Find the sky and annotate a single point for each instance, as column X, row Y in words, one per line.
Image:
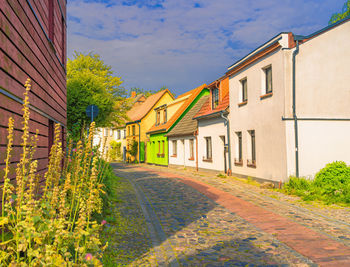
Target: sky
column 182, row 44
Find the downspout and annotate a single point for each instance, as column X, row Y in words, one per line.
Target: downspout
column 196, row 135
column 138, row 123
column 227, row 123
column 295, row 52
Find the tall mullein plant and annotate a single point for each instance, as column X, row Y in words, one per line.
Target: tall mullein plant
column 56, row 227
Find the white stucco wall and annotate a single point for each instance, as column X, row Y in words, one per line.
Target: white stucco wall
column 262, row 115
column 323, row 76
column 183, row 151
column 213, row 128
column 322, row 142
column 322, row 91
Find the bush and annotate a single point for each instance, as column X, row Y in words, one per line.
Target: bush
column 331, row 184
column 133, row 150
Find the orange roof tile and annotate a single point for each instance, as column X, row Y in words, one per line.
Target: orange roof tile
column 165, row 127
column 140, row 111
column 223, row 84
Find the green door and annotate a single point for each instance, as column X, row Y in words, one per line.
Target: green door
column 142, row 152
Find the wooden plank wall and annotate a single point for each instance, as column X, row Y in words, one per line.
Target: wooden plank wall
column 26, row 51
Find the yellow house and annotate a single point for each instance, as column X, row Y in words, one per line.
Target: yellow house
column 142, row 118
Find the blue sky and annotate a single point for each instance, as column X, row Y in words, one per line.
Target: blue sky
column 182, row 44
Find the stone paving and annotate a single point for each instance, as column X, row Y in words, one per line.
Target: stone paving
column 189, row 229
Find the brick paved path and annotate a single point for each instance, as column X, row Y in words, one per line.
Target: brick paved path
column 192, row 223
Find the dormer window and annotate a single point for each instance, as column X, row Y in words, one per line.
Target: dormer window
column 165, row 116
column 161, row 115
column 158, row 117
column 215, row 97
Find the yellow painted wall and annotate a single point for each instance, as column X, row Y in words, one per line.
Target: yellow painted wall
column 175, row 105
column 147, row 122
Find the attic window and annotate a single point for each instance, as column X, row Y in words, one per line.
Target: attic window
column 158, row 117
column 215, row 97
column 165, row 116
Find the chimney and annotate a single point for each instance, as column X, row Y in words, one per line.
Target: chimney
column 133, row 94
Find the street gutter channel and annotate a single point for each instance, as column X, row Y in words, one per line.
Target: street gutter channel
column 155, row 230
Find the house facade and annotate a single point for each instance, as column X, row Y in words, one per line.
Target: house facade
column 33, row 45
column 141, row 120
column 158, row 147
column 213, row 126
column 106, row 135
column 182, row 138
column 289, row 111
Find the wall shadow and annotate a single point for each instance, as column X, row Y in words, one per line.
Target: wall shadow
column 178, row 205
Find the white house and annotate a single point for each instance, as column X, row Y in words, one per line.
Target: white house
column 289, row 105
column 105, row 135
column 182, row 139
column 213, row 127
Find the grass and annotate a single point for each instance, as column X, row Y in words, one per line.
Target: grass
column 330, row 186
column 125, row 231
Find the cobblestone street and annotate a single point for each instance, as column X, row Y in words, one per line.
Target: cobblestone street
column 199, row 219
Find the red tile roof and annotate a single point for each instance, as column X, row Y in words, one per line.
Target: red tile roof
column 207, row 110
column 140, row 111
column 165, row 127
column 224, row 100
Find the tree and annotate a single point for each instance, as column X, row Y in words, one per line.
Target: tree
column 91, row 81
column 342, row 15
column 147, row 93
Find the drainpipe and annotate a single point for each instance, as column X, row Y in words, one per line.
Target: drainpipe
column 227, row 123
column 295, row 52
column 196, row 135
column 138, row 123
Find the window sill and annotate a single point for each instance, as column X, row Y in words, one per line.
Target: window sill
column 251, row 163
column 242, row 104
column 174, row 156
column 266, row 96
column 208, row 160
column 238, row 163
column 191, row 159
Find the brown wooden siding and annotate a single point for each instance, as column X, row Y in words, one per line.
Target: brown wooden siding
column 27, row 52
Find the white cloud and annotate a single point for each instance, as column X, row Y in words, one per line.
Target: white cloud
column 181, row 46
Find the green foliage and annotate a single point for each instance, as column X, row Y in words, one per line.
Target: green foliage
column 342, row 15
column 115, row 151
column 91, row 81
column 147, row 93
column 133, row 148
column 331, row 185
column 55, row 227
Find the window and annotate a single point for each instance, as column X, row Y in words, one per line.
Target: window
column 163, row 150
column 174, row 148
column 106, row 132
column 252, row 161
column 244, row 86
column 191, row 149
column 133, row 130
column 118, row 134
column 165, row 116
column 63, row 40
column 51, row 135
column 238, row 159
column 268, row 80
column 158, row 117
column 208, row 148
column 158, row 149
column 215, row 97
column 124, row 133
column 51, row 20
column 111, row 133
